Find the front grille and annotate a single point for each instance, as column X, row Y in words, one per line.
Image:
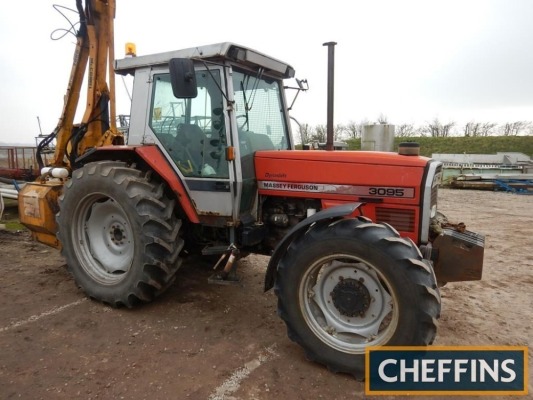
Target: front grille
column 400, row 218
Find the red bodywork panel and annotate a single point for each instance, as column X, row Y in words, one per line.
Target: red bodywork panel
column 389, row 184
column 153, row 156
column 155, row 159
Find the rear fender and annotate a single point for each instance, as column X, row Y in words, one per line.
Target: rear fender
column 325, row 216
column 152, row 156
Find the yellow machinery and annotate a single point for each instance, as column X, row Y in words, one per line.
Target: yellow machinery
column 94, row 53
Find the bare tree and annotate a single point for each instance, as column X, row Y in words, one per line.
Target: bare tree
column 470, row 129
column 515, row 128
column 447, row 129
column 306, row 132
column 339, row 132
column 320, row 133
column 487, row 128
column 382, row 119
column 354, row 130
column 437, row 129
column 474, row 129
column 405, row 130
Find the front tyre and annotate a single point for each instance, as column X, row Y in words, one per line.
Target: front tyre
column 119, row 233
column 350, row 284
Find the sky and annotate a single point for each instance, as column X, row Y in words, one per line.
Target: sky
column 411, row 61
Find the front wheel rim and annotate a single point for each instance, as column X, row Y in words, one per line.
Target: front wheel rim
column 348, row 303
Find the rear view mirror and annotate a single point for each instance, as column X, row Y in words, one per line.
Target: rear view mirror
column 183, row 78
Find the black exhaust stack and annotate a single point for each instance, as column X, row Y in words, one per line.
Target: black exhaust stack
column 331, row 75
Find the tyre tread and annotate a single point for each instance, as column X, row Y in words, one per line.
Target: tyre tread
column 159, row 225
column 382, row 238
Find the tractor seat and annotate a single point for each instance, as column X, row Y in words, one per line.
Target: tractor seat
column 191, row 139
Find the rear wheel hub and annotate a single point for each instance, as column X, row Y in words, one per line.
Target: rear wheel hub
column 351, row 297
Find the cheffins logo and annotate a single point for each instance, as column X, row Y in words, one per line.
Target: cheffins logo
column 447, row 370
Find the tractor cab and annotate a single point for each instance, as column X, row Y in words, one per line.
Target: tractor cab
column 210, row 109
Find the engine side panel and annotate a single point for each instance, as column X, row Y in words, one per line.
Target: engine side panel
column 390, row 185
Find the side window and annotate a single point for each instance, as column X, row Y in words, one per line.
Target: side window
column 191, row 130
column 167, row 111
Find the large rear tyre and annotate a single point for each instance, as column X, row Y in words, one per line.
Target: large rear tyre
column 119, row 233
column 350, row 284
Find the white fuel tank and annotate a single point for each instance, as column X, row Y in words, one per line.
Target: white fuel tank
column 377, row 137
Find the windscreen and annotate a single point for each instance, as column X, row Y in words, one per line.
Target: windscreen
column 259, row 112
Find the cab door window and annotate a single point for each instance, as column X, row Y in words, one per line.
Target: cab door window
column 192, row 131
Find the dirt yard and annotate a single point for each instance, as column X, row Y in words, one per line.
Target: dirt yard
column 203, row 341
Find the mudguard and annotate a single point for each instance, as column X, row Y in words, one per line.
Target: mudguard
column 152, row 156
column 326, row 215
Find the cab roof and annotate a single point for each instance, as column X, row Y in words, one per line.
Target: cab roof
column 214, row 52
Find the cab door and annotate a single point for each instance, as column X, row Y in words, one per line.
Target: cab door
column 192, row 133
